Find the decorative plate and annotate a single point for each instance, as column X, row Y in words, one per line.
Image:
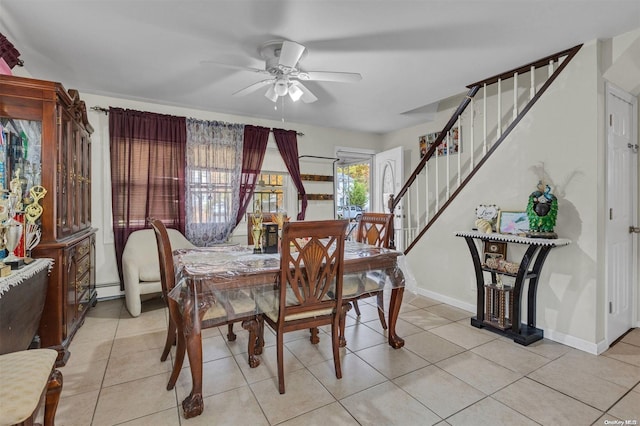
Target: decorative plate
column 487, row 212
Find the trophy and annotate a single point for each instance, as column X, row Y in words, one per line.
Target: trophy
column 12, row 231
column 256, row 230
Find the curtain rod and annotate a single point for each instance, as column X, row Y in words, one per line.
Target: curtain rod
column 106, row 112
column 318, row 157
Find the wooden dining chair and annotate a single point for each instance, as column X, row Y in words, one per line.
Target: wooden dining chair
column 374, row 229
column 224, row 310
column 309, row 292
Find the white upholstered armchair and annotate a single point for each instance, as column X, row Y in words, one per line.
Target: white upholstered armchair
column 140, row 268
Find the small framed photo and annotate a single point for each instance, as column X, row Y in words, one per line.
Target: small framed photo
column 513, row 223
column 453, row 139
column 495, row 249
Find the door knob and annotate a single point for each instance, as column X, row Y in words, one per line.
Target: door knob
column 634, row 230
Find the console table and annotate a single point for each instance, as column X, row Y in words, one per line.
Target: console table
column 510, row 297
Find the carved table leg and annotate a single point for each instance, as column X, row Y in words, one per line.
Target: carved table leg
column 395, row 341
column 253, row 328
column 193, row 404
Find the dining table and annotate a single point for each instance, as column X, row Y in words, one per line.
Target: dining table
column 226, row 274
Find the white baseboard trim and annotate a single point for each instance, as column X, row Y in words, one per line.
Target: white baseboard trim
column 574, row 342
column 556, row 336
column 109, row 291
column 446, row 299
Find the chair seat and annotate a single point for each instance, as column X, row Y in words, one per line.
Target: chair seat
column 268, row 303
column 24, row 376
column 240, row 303
column 356, row 284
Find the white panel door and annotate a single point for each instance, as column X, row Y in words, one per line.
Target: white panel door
column 389, row 172
column 622, row 198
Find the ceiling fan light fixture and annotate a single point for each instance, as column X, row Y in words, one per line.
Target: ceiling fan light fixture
column 295, row 93
column 281, row 87
column 271, row 94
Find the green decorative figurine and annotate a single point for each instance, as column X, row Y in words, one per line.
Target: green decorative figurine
column 542, row 211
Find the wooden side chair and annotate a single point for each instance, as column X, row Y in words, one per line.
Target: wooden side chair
column 309, row 292
column 374, row 229
column 27, row 377
column 226, row 310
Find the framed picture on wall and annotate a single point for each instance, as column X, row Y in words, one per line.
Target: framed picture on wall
column 425, row 142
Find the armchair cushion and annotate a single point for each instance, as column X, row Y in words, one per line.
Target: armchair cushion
column 140, row 267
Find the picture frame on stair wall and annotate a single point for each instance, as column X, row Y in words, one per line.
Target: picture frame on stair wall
column 425, row 142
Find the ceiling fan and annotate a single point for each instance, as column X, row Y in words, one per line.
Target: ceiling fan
column 282, row 59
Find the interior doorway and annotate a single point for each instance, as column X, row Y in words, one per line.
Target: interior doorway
column 353, row 185
column 622, row 216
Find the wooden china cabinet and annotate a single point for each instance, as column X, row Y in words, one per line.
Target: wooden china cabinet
column 65, row 172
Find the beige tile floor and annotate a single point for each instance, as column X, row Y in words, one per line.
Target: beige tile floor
column 448, row 373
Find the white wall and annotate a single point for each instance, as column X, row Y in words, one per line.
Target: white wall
column 319, row 141
column 562, row 135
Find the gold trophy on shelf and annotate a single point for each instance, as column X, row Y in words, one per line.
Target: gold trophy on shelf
column 256, row 230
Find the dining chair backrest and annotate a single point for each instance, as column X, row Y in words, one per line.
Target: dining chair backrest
column 311, row 266
column 165, row 257
column 375, row 229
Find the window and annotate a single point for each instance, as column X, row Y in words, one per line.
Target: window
column 210, row 195
column 270, row 192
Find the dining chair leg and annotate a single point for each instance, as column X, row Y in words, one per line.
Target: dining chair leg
column 356, row 307
column 171, row 340
column 181, row 349
column 335, row 326
column 314, row 335
column 346, row 307
column 381, row 310
column 52, row 397
column 280, row 350
column 231, row 336
column 260, row 337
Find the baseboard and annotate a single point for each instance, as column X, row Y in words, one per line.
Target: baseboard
column 109, row 291
column 574, row 342
column 446, row 299
column 556, row 336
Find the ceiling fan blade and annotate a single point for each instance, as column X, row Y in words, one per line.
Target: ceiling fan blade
column 340, row 77
column 290, row 54
column 253, row 87
column 235, row 67
column 307, row 97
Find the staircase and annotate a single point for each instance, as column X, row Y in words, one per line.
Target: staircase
column 491, row 109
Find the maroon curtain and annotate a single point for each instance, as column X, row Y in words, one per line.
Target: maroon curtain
column 254, row 147
column 147, row 172
column 287, row 142
column 9, row 53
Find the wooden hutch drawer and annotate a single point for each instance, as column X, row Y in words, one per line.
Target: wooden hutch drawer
column 84, row 265
column 83, row 248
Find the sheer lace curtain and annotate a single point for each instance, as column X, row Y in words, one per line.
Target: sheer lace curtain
column 214, row 168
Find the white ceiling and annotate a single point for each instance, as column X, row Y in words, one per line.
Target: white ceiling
column 410, row 53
